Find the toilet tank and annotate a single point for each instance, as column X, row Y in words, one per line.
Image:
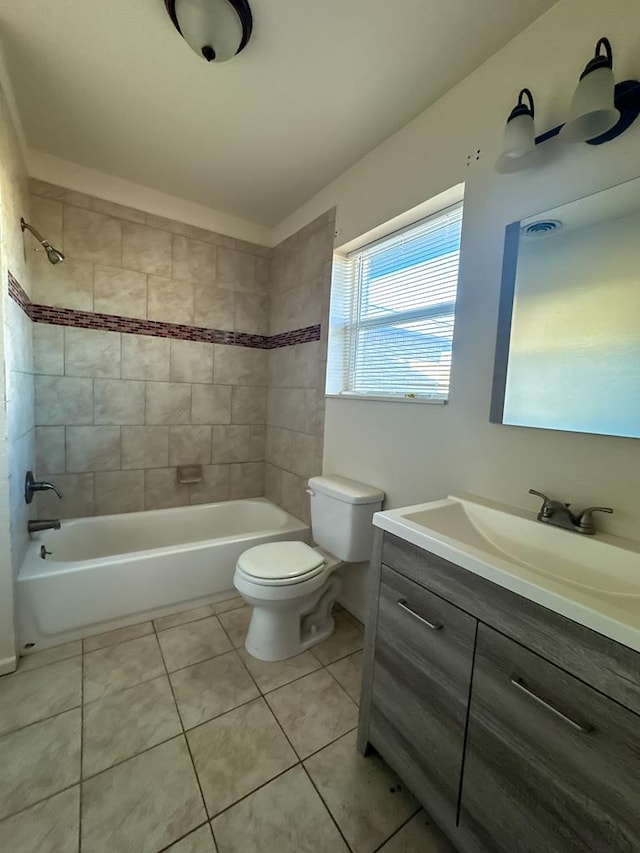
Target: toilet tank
column 341, row 513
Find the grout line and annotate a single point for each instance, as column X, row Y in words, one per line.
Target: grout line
column 38, row 802
column 37, row 722
column 328, row 810
column 401, row 827
column 182, row 837
column 81, row 748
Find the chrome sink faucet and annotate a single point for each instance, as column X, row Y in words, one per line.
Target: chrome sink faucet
column 559, row 515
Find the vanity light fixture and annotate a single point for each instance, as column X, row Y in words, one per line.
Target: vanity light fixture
column 601, row 110
column 217, row 30
column 592, row 110
column 519, row 144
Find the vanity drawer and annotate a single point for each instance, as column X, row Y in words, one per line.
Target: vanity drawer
column 551, row 765
column 420, row 689
column 599, row 661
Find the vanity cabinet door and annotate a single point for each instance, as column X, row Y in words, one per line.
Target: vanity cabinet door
column 420, row 691
column 551, row 764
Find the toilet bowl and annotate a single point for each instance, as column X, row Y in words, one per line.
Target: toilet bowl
column 292, row 586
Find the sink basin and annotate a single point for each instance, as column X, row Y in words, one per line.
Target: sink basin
column 594, row 580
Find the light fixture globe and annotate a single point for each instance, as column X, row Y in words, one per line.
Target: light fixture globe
column 519, row 144
column 216, row 30
column 593, row 111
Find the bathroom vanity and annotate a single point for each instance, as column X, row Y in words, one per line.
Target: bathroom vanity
column 517, row 727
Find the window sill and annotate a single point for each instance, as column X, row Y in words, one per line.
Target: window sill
column 366, row 398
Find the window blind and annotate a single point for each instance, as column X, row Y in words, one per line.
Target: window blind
column 392, row 313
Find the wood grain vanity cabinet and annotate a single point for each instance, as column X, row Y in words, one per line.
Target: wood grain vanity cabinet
column 516, row 728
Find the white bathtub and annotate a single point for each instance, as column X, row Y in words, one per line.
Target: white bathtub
column 115, row 570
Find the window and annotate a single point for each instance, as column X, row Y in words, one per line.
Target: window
column 392, row 313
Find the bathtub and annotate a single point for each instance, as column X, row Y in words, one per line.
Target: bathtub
column 115, row 570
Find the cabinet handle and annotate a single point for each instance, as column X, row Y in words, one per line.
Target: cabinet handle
column 584, row 728
column 404, row 606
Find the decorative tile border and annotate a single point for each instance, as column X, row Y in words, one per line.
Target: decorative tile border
column 116, row 323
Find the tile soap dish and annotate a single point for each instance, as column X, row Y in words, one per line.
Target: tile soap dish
column 189, row 474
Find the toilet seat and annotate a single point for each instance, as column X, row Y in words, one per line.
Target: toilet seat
column 280, row 563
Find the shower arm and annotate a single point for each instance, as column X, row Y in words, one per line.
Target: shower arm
column 26, row 227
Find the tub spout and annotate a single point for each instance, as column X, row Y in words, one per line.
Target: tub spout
column 39, row 524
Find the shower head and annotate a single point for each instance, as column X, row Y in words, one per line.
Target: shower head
column 55, row 255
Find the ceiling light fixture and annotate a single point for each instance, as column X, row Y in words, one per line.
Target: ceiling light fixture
column 215, row 29
column 601, row 110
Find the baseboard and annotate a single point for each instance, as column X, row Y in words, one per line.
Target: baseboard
column 8, row 665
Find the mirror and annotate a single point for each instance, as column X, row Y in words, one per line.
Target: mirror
column 568, row 349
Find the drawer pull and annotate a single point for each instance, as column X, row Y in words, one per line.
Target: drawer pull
column 584, row 728
column 404, row 606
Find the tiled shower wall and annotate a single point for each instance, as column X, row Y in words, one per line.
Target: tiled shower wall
column 116, row 413
column 300, row 291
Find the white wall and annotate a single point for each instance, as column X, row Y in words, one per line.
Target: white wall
column 417, row 453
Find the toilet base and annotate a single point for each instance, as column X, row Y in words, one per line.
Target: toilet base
column 282, row 629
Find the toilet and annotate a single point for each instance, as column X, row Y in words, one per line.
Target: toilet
column 292, row 586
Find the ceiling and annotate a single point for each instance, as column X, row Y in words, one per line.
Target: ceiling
column 112, row 86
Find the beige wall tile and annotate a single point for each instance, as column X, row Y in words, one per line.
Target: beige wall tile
column 170, row 301
column 145, row 447
column 92, row 236
column 278, row 447
column 146, row 249
column 50, row 449
column 91, row 352
column 48, row 349
column 191, row 361
column 118, row 401
column 145, row 357
column 285, row 408
column 246, row 480
column 43, row 188
column 214, row 308
column 239, row 365
column 294, row 498
column 189, row 445
column 210, row 404
column 120, row 292
column 194, row 261
column 237, row 444
column 45, row 214
column 305, row 458
column 93, row 448
column 273, row 483
column 214, row 485
column 63, row 400
column 168, row 403
column 119, row 491
column 252, row 313
column 109, row 208
column 237, row 269
column 263, row 272
column 77, row 496
column 248, row 405
column 67, row 285
column 315, row 252
column 162, row 489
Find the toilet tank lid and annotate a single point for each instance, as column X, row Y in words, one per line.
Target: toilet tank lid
column 348, row 491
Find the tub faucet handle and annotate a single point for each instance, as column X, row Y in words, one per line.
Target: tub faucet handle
column 31, row 486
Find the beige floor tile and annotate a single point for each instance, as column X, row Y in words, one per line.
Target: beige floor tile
column 228, row 604
column 48, row 827
column 57, row 653
column 182, row 618
column 419, row 835
column 212, row 687
column 237, row 752
column 118, row 667
column 200, row 841
column 364, row 795
column 125, row 723
column 348, row 672
column 191, row 643
column 120, row 635
column 142, row 805
column 272, row 674
column 346, row 639
column 236, row 624
column 286, row 815
column 39, row 761
column 31, row 696
column 313, row 711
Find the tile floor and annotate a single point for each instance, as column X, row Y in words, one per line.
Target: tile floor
column 168, row 736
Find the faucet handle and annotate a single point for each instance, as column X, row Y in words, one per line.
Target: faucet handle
column 545, row 511
column 585, row 519
column 31, row 486
column 544, row 497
